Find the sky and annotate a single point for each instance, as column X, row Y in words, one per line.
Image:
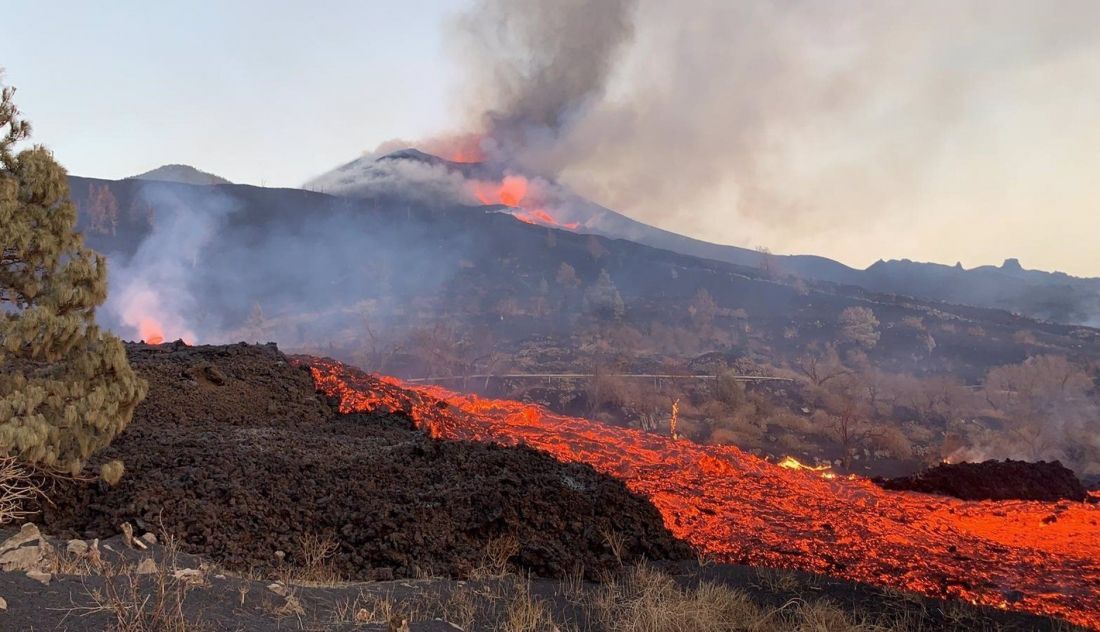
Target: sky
column 948, row 131
column 259, row 92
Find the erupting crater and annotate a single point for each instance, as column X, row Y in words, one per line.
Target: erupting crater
column 512, row 191
column 1042, row 558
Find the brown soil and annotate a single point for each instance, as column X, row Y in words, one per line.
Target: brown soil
column 235, row 455
column 995, row 480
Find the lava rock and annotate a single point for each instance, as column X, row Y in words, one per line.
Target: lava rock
column 1048, row 481
column 236, row 483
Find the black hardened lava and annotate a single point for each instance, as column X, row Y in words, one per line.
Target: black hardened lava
column 234, row 454
column 995, row 480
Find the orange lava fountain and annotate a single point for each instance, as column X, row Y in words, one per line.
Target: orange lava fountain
column 1042, row 558
column 512, row 192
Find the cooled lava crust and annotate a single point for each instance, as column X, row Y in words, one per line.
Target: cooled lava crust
column 995, row 480
column 234, row 453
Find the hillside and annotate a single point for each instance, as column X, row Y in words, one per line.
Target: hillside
column 1044, row 295
column 470, row 295
column 184, row 174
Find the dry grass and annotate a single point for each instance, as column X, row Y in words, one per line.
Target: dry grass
column 637, row 599
column 316, row 561
column 17, row 488
column 777, row 580
column 616, row 542
column 143, row 603
column 462, row 607
column 374, row 609
column 647, row 600
column 495, row 558
column 527, row 613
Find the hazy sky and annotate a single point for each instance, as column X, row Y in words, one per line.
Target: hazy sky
column 941, row 130
column 252, row 90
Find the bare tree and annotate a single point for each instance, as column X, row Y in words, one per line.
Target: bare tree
column 102, row 210
column 820, row 364
column 1038, row 398
column 848, row 415
column 859, row 326
column 702, row 310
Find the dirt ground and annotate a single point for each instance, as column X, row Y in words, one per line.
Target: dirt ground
column 181, row 592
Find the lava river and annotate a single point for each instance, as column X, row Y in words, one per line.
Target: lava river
column 1036, row 557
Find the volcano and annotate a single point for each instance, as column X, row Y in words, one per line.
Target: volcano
column 1028, row 556
column 1049, row 296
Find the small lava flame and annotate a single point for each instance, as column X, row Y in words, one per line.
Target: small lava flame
column 1035, row 557
column 791, row 463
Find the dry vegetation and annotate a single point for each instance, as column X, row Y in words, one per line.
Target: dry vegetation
column 180, row 593
column 639, row 599
column 17, row 489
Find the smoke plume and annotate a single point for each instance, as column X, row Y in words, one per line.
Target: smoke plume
column 151, row 295
column 534, row 68
column 827, row 127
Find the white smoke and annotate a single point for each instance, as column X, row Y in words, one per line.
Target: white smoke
column 150, row 293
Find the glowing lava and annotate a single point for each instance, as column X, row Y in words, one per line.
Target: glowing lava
column 512, row 192
column 150, row 331
column 542, row 217
column 791, row 463
column 1036, row 557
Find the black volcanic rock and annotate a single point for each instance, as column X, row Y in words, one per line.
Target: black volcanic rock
column 235, row 455
column 995, row 480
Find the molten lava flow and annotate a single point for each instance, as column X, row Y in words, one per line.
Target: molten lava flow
column 791, row 463
column 1035, row 557
column 542, row 217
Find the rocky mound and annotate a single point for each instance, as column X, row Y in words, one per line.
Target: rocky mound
column 234, row 454
column 995, row 480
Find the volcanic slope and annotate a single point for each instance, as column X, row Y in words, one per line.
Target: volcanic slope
column 1028, row 556
column 1051, row 296
column 234, row 454
column 315, row 266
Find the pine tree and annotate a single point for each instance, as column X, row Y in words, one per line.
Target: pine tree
column 66, row 388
